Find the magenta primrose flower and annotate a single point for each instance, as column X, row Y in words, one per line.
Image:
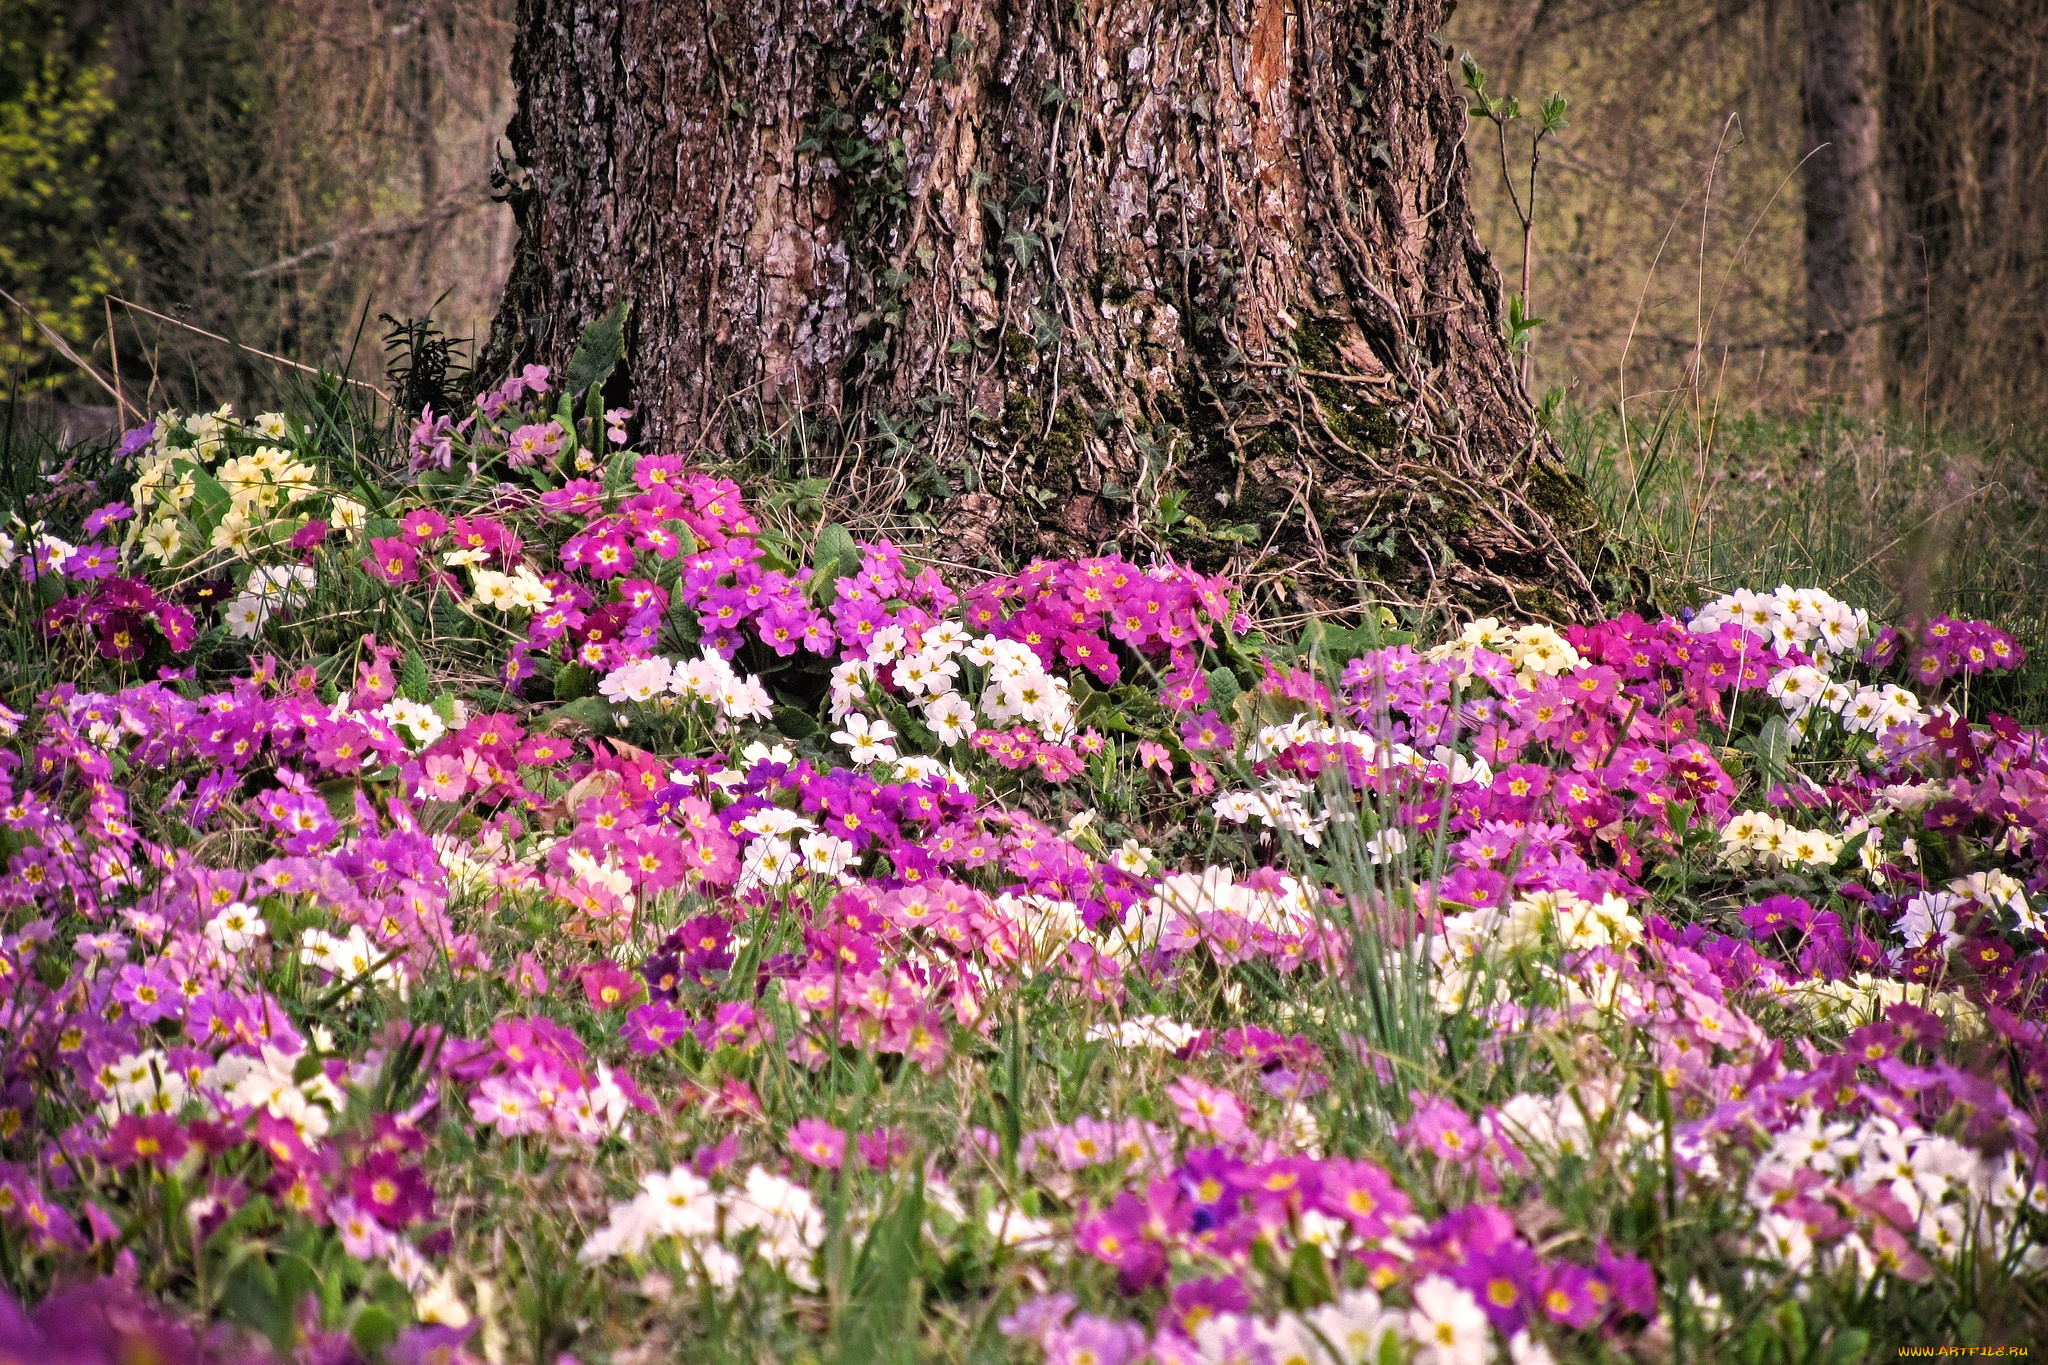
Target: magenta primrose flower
column 1206, row 1110
column 819, row 1143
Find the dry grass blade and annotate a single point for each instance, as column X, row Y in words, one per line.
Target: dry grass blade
column 63, row 348
column 248, row 350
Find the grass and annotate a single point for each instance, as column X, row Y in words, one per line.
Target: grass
column 1893, row 516
column 1885, row 517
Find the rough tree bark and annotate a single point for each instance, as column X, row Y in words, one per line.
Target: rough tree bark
column 1061, row 271
column 1843, row 181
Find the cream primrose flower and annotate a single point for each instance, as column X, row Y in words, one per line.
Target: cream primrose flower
column 850, row 679
column 887, row 645
column 743, row 699
column 708, row 680
column 1132, row 857
column 269, row 1081
column 923, row 673
column 1484, row 633
column 234, row 533
column 143, row 1082
column 757, row 752
column 787, row 1223
column 1357, row 1324
column 1386, row 846
column 1760, row 839
column 348, row 516
column 286, row 585
column 352, row 958
column 768, row 864
column 1011, row 1227
column 947, row 638
column 1537, row 649
column 1180, row 901
column 776, row 820
column 1863, row 999
column 826, row 855
column 161, row 539
column 1806, row 619
column 640, row 681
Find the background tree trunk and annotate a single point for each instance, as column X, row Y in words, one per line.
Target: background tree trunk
column 1060, row 273
column 1843, row 175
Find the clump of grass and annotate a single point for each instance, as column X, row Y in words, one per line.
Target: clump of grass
column 1898, row 517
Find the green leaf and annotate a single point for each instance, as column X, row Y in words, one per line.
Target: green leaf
column 880, row 1319
column 375, row 1328
column 593, row 713
column 1223, row 689
column 598, row 351
column 1771, row 746
column 1308, row 1278
column 795, row 723
column 210, row 499
column 834, row 543
column 254, row 1297
column 1340, row 647
column 443, row 480
column 413, row 682
column 618, row 473
column 1850, row 1346
column 1011, row 1095
column 340, row 795
column 1791, row 1324
column 573, row 681
column 833, row 556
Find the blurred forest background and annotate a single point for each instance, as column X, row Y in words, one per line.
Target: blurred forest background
column 1672, row 216
column 277, row 172
column 282, row 173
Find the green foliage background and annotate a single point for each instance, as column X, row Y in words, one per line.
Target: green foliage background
column 268, row 170
column 59, row 251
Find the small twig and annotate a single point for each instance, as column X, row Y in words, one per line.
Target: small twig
column 225, row 341
column 446, row 209
column 114, row 350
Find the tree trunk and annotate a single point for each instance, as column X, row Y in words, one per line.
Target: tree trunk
column 1845, row 253
column 1197, row 277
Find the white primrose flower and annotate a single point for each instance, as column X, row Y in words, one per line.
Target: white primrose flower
column 236, row 929
column 640, row 681
column 1132, row 857
column 951, row 717
column 1448, row 1326
column 867, row 741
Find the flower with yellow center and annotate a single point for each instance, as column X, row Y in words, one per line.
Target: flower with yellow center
column 235, row 533
column 161, row 539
